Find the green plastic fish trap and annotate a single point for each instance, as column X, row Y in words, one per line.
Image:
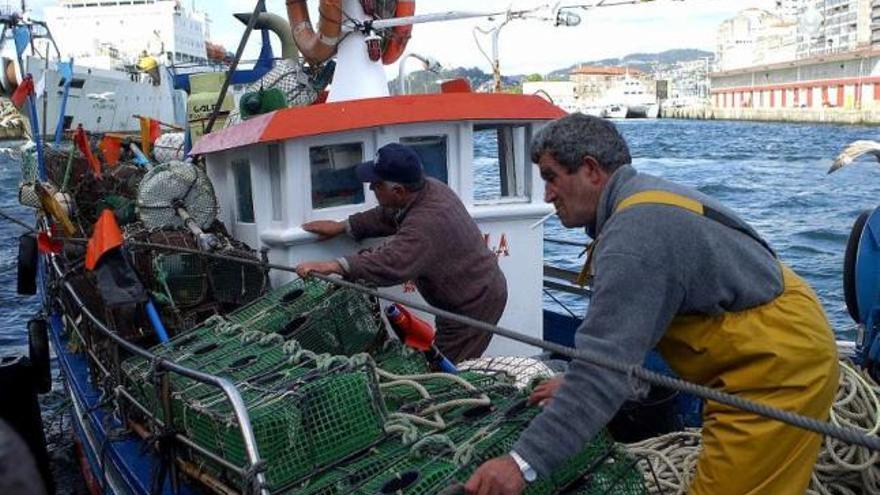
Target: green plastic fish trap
column 275, row 310
column 399, row 395
column 233, row 346
column 617, row 475
column 400, row 360
column 303, row 422
column 180, row 279
column 345, row 323
column 233, row 282
column 185, row 280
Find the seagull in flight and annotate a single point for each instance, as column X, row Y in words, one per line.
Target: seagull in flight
column 105, row 96
column 853, row 151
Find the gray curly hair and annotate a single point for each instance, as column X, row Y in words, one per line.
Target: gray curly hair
column 569, row 139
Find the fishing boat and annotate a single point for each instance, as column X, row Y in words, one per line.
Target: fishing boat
column 196, row 362
column 106, row 91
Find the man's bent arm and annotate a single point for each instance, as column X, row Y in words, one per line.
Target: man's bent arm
column 628, row 314
column 375, row 222
column 400, row 259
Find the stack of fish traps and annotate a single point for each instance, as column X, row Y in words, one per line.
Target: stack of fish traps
column 189, row 287
column 336, row 407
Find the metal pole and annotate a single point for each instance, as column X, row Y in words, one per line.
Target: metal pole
column 261, row 6
column 44, row 92
column 496, row 63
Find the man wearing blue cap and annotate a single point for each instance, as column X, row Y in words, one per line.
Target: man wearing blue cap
column 433, row 242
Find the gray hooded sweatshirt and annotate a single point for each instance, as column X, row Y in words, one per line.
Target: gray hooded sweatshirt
column 652, row 262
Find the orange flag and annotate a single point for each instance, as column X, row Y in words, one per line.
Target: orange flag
column 82, row 142
column 111, row 147
column 107, row 236
column 149, row 133
column 25, row 89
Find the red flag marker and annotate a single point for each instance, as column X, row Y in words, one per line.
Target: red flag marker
column 106, row 237
column 82, row 142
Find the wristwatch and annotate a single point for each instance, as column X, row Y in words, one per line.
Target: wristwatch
column 528, row 472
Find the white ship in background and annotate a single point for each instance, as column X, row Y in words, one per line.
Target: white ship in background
column 631, row 98
column 121, row 52
column 610, row 92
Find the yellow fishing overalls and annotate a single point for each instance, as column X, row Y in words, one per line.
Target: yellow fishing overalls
column 781, row 354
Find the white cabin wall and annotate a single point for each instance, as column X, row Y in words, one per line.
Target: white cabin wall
column 217, row 166
column 465, row 156
column 505, row 222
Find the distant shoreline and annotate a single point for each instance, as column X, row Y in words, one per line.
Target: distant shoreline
column 787, row 115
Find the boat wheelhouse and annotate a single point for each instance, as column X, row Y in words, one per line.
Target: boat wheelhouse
column 277, row 171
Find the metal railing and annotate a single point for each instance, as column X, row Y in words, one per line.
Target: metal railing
column 252, row 473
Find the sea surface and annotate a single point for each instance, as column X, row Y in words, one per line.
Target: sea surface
column 773, row 175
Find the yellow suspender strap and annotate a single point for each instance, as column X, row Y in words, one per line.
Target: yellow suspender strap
column 663, row 198
column 671, row 199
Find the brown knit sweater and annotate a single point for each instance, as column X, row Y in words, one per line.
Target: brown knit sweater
column 435, row 243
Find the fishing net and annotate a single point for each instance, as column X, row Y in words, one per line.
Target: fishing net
column 522, row 370
column 169, row 147
column 290, row 78
column 167, row 187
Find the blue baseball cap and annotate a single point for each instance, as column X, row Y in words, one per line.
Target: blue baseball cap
column 394, row 162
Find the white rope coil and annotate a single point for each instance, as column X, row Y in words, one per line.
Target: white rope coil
column 669, row 462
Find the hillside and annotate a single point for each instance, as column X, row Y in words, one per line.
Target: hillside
column 425, row 82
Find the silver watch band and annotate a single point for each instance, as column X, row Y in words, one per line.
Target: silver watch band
column 528, row 472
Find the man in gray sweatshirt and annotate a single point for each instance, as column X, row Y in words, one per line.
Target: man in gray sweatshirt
column 432, row 241
column 672, row 268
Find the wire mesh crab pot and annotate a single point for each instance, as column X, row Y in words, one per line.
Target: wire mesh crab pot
column 238, row 348
column 307, row 421
column 346, row 323
column 272, row 312
column 234, row 283
column 394, row 358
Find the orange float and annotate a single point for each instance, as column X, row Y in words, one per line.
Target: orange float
column 318, row 46
column 396, row 44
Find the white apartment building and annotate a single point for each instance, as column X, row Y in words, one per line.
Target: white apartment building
column 99, row 31
column 834, row 26
column 795, row 30
column 755, row 37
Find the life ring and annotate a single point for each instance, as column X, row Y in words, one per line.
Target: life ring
column 38, row 352
column 27, row 265
column 319, row 46
column 396, row 44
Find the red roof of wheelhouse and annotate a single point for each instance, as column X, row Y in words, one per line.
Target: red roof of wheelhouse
column 328, row 118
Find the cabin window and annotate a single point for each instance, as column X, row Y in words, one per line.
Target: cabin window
column 244, row 199
column 500, row 162
column 334, row 182
column 434, row 152
column 275, row 181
